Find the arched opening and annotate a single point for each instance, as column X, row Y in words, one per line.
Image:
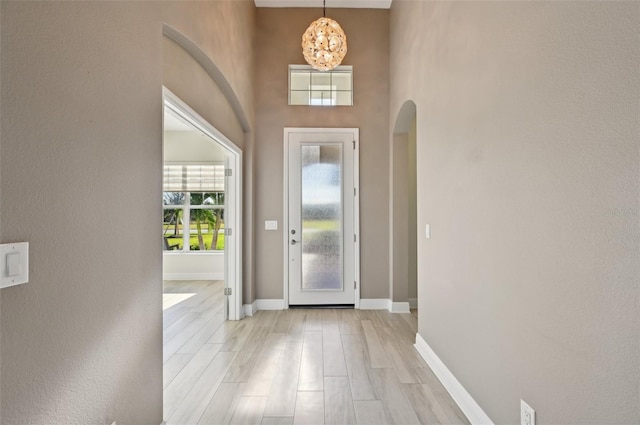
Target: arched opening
column 403, row 216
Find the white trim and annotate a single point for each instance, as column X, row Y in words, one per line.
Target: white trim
column 413, row 303
column 356, row 215
column 463, row 399
column 384, row 304
column 266, row 304
column 250, row 309
column 233, row 197
column 399, row 307
column 374, row 304
column 193, row 276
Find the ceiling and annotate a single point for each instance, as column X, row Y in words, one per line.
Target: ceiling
column 362, row 4
column 175, row 123
column 185, row 143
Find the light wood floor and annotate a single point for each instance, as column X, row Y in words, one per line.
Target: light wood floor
column 294, row 366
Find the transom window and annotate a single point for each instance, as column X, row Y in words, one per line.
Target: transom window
column 193, row 207
column 308, row 86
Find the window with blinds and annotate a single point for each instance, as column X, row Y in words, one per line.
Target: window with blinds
column 193, row 178
column 193, row 207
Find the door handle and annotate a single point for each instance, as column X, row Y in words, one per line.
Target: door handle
column 293, row 241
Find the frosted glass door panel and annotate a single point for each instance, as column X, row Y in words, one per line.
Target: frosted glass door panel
column 321, row 210
column 321, row 195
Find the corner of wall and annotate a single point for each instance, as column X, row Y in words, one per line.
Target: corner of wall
column 250, row 309
column 460, row 395
column 0, row 226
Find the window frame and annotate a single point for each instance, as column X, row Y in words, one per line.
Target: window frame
column 186, row 208
column 186, row 182
column 342, row 69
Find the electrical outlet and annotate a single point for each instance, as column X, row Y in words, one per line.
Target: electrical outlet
column 527, row 414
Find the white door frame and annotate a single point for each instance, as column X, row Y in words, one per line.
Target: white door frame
column 356, row 206
column 233, row 200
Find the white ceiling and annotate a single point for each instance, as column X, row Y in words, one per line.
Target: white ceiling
column 185, row 143
column 362, row 4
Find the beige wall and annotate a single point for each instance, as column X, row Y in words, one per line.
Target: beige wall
column 412, row 238
column 279, row 32
column 403, row 256
column 188, row 80
column 81, row 137
column 400, row 218
column 1, row 78
column 527, row 124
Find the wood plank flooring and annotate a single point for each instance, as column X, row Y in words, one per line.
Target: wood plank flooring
column 295, row 367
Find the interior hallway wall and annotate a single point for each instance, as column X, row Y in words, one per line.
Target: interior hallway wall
column 81, row 134
column 528, row 174
column 279, row 32
column 412, row 238
column 0, row 214
column 400, row 218
column 404, row 284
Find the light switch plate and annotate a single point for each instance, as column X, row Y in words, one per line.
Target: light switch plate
column 14, row 260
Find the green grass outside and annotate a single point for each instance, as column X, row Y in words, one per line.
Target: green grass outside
column 193, row 241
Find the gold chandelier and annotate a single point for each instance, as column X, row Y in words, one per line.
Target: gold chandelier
column 324, row 43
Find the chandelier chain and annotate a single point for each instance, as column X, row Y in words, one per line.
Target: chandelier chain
column 324, row 8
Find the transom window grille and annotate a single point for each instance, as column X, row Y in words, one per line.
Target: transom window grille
column 308, row 86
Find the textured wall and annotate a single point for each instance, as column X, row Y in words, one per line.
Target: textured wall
column 527, row 124
column 412, row 238
column 82, row 147
column 279, row 32
column 184, row 76
column 0, row 215
column 404, row 283
column 400, row 218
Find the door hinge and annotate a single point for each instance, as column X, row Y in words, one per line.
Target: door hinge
column 228, row 172
column 354, row 191
column 354, row 238
column 228, row 291
column 354, row 145
column 354, row 284
column 228, row 232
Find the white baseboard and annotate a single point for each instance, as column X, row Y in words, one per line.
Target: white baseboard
column 384, row 304
column 463, row 399
column 399, row 307
column 413, row 303
column 374, row 304
column 266, row 304
column 365, row 304
column 250, row 309
column 193, row 276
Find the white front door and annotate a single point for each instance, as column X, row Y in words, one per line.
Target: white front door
column 322, row 234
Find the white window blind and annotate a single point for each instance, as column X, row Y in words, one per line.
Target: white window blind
column 193, row 178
